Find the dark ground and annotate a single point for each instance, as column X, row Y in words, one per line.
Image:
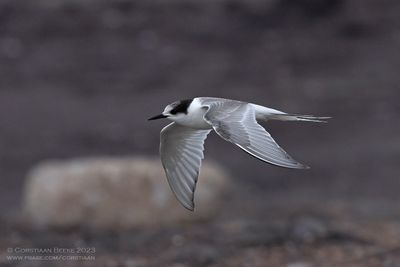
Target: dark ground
column 80, row 78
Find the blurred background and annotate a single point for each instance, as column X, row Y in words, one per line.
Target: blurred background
column 78, row 79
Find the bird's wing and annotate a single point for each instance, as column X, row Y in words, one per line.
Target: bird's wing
column 181, row 151
column 235, row 122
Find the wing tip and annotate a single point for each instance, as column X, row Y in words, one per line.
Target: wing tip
column 298, row 165
column 188, row 207
column 187, row 204
column 290, row 165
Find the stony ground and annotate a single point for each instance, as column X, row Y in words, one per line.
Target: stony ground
column 79, row 78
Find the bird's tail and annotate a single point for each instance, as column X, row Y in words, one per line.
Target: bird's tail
column 264, row 113
column 294, row 117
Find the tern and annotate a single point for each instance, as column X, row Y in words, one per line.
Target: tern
column 182, row 141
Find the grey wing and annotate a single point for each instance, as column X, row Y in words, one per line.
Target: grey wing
column 181, row 150
column 236, row 122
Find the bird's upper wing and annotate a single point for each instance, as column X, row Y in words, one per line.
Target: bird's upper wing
column 181, row 151
column 235, row 122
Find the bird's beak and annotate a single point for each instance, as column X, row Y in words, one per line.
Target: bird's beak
column 161, row 116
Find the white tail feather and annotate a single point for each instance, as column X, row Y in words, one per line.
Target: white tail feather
column 264, row 113
column 293, row 117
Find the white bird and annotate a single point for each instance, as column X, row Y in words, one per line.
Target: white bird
column 182, row 141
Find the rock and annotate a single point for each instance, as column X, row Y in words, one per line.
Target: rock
column 115, row 193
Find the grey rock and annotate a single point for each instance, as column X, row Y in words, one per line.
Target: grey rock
column 115, row 193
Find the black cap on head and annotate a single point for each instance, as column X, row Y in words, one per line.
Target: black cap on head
column 181, row 106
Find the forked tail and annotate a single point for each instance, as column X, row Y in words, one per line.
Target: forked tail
column 264, row 113
column 293, row 117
